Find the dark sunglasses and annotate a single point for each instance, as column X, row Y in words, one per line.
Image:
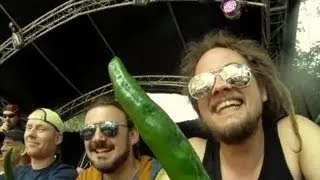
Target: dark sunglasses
column 237, row 75
column 8, row 115
column 107, row 128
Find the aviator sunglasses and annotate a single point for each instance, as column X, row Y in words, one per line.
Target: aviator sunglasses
column 107, row 128
column 237, row 75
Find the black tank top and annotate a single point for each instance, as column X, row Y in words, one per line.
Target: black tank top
column 274, row 164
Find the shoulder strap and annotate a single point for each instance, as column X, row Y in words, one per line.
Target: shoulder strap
column 156, row 167
column 149, row 168
column 274, row 159
column 211, row 160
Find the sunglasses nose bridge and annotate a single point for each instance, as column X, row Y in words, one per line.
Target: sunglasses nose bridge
column 98, row 135
column 220, row 84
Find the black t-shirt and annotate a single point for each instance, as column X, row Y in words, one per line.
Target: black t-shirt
column 56, row 171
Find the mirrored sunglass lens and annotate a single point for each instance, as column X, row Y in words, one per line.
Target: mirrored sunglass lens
column 239, row 81
column 109, row 129
column 201, row 84
column 237, row 75
column 87, row 133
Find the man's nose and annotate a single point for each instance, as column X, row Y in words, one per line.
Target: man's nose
column 3, row 148
column 220, row 85
column 30, row 133
column 98, row 135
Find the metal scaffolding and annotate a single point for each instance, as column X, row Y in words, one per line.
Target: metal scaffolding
column 274, row 14
column 75, row 8
column 56, row 17
column 151, row 83
column 273, row 25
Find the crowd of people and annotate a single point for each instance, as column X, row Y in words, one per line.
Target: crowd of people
column 236, row 90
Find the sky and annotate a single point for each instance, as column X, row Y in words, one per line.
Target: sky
column 310, row 20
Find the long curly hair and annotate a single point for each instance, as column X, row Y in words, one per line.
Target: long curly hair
column 279, row 102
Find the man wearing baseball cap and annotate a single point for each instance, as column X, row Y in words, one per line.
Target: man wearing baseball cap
column 43, row 134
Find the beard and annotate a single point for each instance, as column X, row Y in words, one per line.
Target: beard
column 117, row 161
column 235, row 133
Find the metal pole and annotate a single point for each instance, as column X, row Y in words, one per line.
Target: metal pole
column 55, row 67
column 42, row 54
column 101, row 35
column 289, row 35
column 177, row 25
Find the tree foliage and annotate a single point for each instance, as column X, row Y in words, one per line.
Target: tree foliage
column 306, row 62
column 75, row 124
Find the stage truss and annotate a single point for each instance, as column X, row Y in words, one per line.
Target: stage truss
column 55, row 18
column 273, row 22
column 151, row 83
column 274, row 14
column 273, row 25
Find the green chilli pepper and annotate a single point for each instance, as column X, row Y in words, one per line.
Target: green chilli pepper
column 8, row 173
column 160, row 133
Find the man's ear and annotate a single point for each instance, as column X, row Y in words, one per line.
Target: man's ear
column 134, row 136
column 263, row 93
column 58, row 139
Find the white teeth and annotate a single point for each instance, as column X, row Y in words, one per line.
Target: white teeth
column 102, row 150
column 227, row 103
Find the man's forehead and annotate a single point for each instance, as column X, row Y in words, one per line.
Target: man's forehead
column 37, row 122
column 217, row 58
column 105, row 113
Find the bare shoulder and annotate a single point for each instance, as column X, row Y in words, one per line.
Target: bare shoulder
column 199, row 146
column 307, row 124
column 306, row 128
column 309, row 132
column 300, row 120
column 286, row 134
column 300, row 157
